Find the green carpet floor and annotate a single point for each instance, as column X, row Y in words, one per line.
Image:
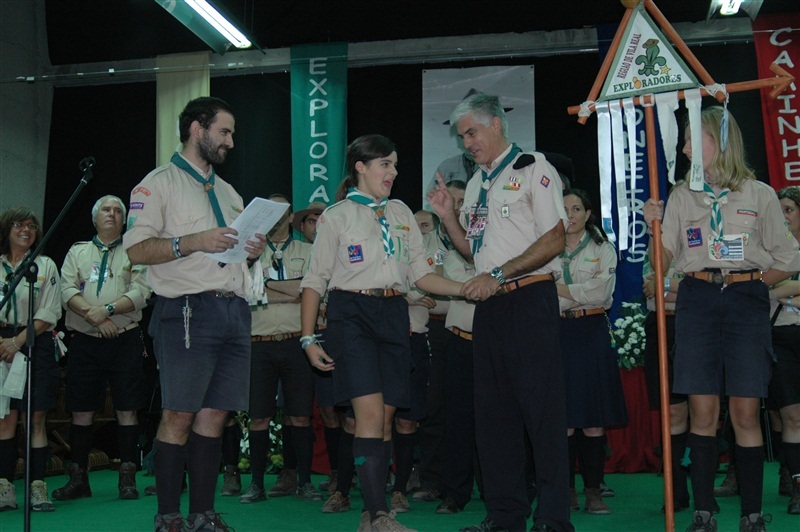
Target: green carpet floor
column 635, row 508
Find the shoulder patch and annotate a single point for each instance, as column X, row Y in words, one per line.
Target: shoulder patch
column 526, row 159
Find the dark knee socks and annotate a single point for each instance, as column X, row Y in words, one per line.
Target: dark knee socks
column 573, row 442
column 404, row 459
column 593, row 449
column 289, row 454
column 371, row 464
column 40, row 457
column 231, row 438
column 703, row 460
column 203, row 455
column 332, row 437
column 8, row 458
column 791, row 452
column 128, row 436
column 80, row 441
column 346, row 464
column 170, row 463
column 259, row 446
column 680, row 490
column 750, row 469
column 303, row 438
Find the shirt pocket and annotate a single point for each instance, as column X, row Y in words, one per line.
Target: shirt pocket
column 747, row 226
column 505, row 202
column 355, row 251
column 695, row 237
column 400, row 237
column 586, row 269
column 188, row 221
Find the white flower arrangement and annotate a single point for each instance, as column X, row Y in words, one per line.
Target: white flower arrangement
column 629, row 335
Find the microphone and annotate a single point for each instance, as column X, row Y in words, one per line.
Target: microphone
column 86, row 163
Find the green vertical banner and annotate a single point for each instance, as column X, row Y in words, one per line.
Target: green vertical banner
column 319, row 121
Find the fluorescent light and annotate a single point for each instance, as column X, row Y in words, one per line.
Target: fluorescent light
column 220, row 23
column 730, row 7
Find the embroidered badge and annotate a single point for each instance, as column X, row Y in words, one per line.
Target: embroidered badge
column 402, row 227
column 354, row 253
column 513, row 184
column 140, row 190
column 430, row 261
column 694, row 236
column 131, row 219
column 545, row 181
column 82, row 285
column 53, row 281
column 234, row 208
column 747, row 212
column 745, row 239
column 611, row 270
column 590, row 259
column 137, row 205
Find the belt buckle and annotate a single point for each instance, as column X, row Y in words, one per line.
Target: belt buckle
column 375, row 292
column 569, row 314
column 280, row 337
column 718, row 278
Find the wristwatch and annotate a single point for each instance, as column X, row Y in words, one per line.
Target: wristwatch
column 110, row 309
column 497, row 273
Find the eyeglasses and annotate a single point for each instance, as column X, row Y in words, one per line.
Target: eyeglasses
column 29, row 225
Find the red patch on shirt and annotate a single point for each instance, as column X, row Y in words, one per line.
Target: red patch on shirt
column 141, row 190
column 430, row 261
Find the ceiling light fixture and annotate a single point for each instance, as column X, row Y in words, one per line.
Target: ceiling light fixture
column 206, row 21
column 730, row 7
column 222, row 25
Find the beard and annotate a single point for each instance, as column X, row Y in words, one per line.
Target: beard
column 210, row 152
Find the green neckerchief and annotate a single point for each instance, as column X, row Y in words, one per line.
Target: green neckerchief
column 104, row 262
column 486, row 183
column 277, row 256
column 380, row 209
column 13, row 300
column 208, row 185
column 717, row 225
column 448, row 244
column 566, row 259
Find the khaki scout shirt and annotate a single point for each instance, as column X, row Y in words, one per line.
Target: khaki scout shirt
column 754, row 212
column 278, row 318
column 80, row 275
column 535, row 204
column 46, row 295
column 461, row 311
column 170, row 203
column 436, row 250
column 348, row 251
column 593, row 277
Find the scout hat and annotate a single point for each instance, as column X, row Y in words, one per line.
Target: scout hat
column 315, row 207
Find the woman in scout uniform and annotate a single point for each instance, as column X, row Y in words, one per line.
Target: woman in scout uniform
column 20, row 231
column 594, row 390
column 367, row 248
column 784, row 390
column 730, row 239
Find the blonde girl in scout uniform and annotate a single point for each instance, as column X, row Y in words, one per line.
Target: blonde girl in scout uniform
column 20, row 231
column 731, row 241
column 594, row 390
column 367, row 249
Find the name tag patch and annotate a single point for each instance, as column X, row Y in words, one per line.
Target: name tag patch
column 694, row 237
column 355, row 254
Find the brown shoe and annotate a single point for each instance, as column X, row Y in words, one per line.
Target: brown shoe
column 285, row 485
column 794, row 502
column 77, row 487
column 399, row 502
column 574, row 505
column 336, row 503
column 127, row 481
column 388, row 523
column 231, row 481
column 729, row 486
column 594, row 502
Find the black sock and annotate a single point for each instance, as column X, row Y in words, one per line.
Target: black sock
column 346, row 465
column 593, row 449
column 750, row 469
column 776, row 438
column 304, row 451
column 170, row 463
column 332, row 436
column 573, row 443
column 203, row 455
column 80, row 441
column 8, row 458
column 259, row 447
column 791, row 453
column 680, row 489
column 231, row 438
column 371, row 464
column 289, row 454
column 128, row 436
column 403, row 459
column 40, row 458
column 703, row 460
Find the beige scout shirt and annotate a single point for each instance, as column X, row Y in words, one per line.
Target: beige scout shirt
column 753, row 212
column 278, row 318
column 170, row 203
column 593, row 277
column 461, row 311
column 418, row 315
column 348, row 251
column 437, row 250
column 79, row 275
column 534, row 203
column 46, row 295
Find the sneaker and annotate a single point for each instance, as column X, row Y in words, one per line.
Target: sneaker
column 253, row 494
column 605, row 491
column 729, row 486
column 754, row 523
column 231, row 481
column 77, row 487
column 330, row 484
column 127, row 481
column 285, row 485
column 703, row 521
column 399, row 502
column 365, row 525
column 8, row 496
column 487, row 525
column 168, row 523
column 40, row 502
column 426, row 495
column 207, row 521
column 388, row 523
column 307, row 492
column 336, row 503
column 594, row 502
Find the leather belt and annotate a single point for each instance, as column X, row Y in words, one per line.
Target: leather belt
column 720, row 279
column 378, row 292
column 217, row 293
column 127, row 328
column 580, row 313
column 510, row 286
column 4, row 325
column 669, row 312
column 438, row 317
column 274, row 337
column 466, row 335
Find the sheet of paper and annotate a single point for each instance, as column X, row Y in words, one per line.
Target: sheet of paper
column 259, row 216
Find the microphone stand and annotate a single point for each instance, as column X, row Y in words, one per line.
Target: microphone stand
column 29, row 271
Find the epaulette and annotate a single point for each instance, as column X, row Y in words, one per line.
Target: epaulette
column 526, row 159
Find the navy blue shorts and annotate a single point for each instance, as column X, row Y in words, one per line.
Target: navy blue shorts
column 722, row 338
column 367, row 337
column 421, row 356
column 94, row 362
column 214, row 371
column 46, row 373
column 286, row 362
column 323, row 381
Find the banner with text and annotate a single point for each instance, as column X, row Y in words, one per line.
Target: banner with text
column 777, row 40
column 319, row 121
